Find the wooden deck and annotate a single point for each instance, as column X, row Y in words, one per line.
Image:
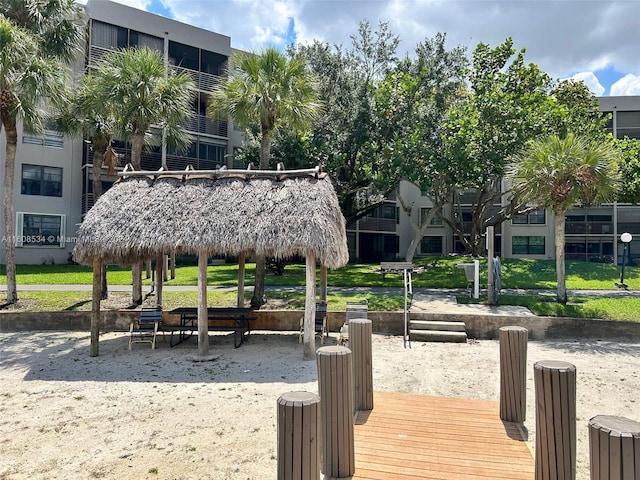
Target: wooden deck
column 423, row 437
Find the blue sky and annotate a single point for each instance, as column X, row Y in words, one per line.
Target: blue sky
column 597, row 41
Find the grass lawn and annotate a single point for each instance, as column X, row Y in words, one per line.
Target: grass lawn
column 440, row 272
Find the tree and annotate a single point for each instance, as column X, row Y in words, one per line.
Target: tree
column 96, row 121
column 507, row 104
column 411, row 104
column 274, row 91
column 630, row 170
column 142, row 93
column 27, row 77
column 342, row 139
column 58, row 25
column 36, row 36
column 558, row 173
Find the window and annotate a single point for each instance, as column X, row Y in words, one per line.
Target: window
column 50, row 137
column 108, row 36
column 436, row 221
column 40, row 230
column 527, row 245
column 431, row 245
column 40, row 180
column 386, row 210
column 628, row 124
column 533, row 218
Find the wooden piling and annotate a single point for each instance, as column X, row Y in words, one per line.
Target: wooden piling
column 298, row 433
column 614, row 448
column 360, row 344
column 513, row 373
column 555, row 390
column 335, row 385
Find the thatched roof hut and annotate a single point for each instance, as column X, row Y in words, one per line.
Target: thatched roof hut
column 142, row 217
column 237, row 212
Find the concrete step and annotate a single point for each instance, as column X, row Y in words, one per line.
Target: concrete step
column 437, row 336
column 451, row 326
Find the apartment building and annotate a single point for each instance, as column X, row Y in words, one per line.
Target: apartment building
column 591, row 233
column 53, row 186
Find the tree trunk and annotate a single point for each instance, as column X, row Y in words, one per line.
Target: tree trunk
column 98, row 159
column 558, row 223
column 94, row 348
column 136, row 284
column 11, row 133
column 257, row 300
column 136, row 269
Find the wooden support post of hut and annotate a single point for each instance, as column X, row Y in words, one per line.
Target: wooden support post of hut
column 360, row 331
column 614, row 448
column 159, row 279
column 310, row 310
column 555, row 387
column 513, row 373
column 241, row 268
column 323, row 284
column 94, row 349
column 298, row 436
column 335, row 385
column 203, row 317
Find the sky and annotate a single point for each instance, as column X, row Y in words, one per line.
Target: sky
column 597, row 41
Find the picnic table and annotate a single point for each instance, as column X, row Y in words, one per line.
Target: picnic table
column 222, row 319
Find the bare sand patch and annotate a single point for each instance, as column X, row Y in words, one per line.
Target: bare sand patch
column 154, row 414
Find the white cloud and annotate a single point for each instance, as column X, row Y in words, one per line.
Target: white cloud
column 591, row 81
column 601, row 33
column 627, row 85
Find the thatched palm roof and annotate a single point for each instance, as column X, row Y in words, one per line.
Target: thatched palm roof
column 141, row 217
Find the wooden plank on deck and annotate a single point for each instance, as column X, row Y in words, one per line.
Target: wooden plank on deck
column 411, row 437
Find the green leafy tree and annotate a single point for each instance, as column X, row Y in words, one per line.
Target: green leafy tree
column 342, row 139
column 32, row 71
column 134, row 85
column 559, row 173
column 411, row 105
column 507, row 104
column 629, row 166
column 272, row 90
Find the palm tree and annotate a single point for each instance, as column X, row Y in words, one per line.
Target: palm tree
column 57, row 24
column 36, row 36
column 145, row 94
column 96, row 122
column 274, row 91
column 27, row 77
column 559, row 173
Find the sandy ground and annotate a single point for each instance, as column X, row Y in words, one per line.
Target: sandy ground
column 156, row 414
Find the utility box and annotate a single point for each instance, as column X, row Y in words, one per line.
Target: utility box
column 472, row 273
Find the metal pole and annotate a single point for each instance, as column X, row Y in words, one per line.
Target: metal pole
column 624, row 260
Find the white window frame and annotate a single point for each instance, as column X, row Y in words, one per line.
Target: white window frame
column 19, row 230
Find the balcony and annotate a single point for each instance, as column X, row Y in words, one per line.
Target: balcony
column 205, row 82
column 374, row 224
column 208, row 126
